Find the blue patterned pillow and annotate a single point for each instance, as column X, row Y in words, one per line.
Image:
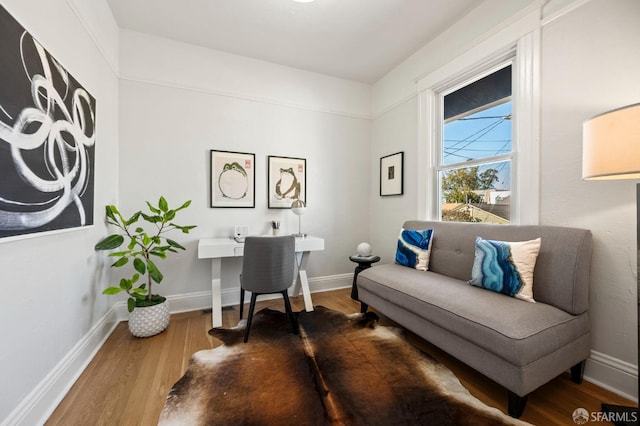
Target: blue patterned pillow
column 505, row 267
column 414, row 248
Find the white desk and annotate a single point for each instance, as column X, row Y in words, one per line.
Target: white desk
column 217, row 248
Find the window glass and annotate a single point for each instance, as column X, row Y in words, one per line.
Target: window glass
column 474, row 171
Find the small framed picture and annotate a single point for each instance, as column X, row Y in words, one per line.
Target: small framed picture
column 233, row 179
column 391, row 174
column 287, row 181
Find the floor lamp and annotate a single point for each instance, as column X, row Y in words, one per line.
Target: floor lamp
column 611, row 150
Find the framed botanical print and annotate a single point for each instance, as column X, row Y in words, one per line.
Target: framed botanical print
column 233, row 179
column 391, row 174
column 287, row 181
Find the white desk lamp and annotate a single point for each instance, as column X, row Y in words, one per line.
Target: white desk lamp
column 298, row 208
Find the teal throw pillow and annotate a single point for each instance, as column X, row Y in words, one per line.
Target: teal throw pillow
column 505, row 267
column 414, row 248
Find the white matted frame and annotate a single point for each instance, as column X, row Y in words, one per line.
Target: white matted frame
column 287, row 181
column 392, row 174
column 233, row 179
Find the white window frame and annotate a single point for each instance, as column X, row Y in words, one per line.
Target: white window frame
column 519, row 42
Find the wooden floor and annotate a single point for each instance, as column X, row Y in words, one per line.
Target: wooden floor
column 129, row 378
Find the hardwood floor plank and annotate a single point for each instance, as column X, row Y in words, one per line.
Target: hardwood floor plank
column 127, row 381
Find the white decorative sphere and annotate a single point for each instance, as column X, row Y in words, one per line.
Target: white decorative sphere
column 364, row 249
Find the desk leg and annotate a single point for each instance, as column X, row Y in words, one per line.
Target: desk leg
column 301, row 281
column 216, row 293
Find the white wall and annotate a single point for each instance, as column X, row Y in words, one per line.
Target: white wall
column 396, row 130
column 400, row 83
column 178, row 101
column 50, row 283
column 589, row 57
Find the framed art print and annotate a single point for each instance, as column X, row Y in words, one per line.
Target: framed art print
column 233, row 179
column 47, row 139
column 391, row 174
column 287, row 181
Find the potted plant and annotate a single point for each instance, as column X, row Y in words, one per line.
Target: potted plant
column 149, row 312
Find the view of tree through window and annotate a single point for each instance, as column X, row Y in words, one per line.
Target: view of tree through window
column 475, row 165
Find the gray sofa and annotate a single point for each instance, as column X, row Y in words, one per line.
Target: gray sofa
column 518, row 344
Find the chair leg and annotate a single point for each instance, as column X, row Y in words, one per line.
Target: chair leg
column 241, row 301
column 252, row 306
column 363, row 307
column 287, row 307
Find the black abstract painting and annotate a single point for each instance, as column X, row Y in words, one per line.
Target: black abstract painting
column 47, row 139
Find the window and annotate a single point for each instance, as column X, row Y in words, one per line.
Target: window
column 475, row 149
column 479, row 121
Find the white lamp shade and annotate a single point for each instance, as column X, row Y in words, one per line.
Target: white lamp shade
column 611, row 145
column 298, row 207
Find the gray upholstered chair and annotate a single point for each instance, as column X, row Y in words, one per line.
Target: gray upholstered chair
column 267, row 268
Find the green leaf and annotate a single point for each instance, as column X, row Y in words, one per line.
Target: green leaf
column 119, row 253
column 139, row 290
column 153, row 209
column 125, row 284
column 120, row 262
column 111, row 290
column 133, row 219
column 184, row 206
column 184, row 229
column 110, row 242
column 132, row 244
column 163, row 205
column 146, row 239
column 131, row 304
column 170, row 215
column 160, row 253
column 139, row 266
column 152, row 219
column 175, row 244
column 155, row 274
column 156, row 239
column 139, row 230
column 111, row 213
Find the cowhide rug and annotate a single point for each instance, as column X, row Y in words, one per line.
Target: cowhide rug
column 339, row 370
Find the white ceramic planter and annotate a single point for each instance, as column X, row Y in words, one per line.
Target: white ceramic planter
column 150, row 320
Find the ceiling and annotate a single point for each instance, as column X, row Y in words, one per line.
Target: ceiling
column 357, row 40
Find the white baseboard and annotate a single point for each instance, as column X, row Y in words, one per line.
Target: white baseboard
column 38, row 405
column 231, row 296
column 610, row 373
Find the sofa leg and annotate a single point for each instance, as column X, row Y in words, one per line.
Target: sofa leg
column 577, row 372
column 516, row 404
column 363, row 307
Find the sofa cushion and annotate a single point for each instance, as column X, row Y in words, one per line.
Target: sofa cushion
column 505, row 267
column 414, row 248
column 517, row 332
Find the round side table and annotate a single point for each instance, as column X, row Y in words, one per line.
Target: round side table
column 364, row 262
